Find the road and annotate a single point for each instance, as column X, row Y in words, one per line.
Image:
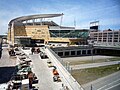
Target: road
column 86, row 58
column 111, row 82
column 40, row 68
column 44, row 74
column 92, row 65
column 115, row 87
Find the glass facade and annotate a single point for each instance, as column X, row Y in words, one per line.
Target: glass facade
column 69, row 33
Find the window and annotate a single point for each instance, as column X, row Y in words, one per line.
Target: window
column 72, row 52
column 67, row 53
column 68, row 33
column 84, row 52
column 78, row 52
column 60, row 53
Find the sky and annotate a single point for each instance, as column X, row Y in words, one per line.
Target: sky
column 77, row 13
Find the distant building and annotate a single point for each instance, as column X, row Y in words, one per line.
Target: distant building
column 34, row 29
column 106, row 37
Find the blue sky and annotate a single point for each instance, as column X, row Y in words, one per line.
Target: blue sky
column 107, row 12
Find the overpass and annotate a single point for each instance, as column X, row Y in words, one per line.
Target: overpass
column 66, row 77
column 107, row 50
column 86, row 51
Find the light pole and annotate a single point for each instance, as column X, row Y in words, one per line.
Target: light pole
column 92, row 54
column 92, row 49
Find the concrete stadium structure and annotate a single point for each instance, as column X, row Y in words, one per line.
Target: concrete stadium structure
column 34, row 29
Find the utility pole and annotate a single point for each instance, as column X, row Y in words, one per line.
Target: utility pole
column 92, row 54
column 74, row 22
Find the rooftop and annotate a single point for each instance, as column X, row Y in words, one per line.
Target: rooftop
column 30, row 17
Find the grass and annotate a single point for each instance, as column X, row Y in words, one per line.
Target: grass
column 87, row 75
column 95, row 61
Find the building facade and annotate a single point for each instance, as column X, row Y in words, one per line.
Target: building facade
column 106, row 37
column 34, row 29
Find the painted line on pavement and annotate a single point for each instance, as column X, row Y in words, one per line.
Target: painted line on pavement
column 113, row 86
column 107, row 84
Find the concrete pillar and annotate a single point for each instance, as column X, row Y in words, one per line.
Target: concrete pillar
column 12, row 34
column 95, row 51
column 75, row 52
column 91, row 51
column 87, row 52
column 69, row 53
column 63, row 53
column 81, row 52
column 41, row 21
column 57, row 53
column 33, row 21
column 26, row 22
column 9, row 29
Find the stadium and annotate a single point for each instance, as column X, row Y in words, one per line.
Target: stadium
column 36, row 29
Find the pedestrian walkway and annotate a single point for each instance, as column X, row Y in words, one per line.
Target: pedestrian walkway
column 92, row 65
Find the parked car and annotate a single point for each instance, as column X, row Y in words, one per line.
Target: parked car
column 43, row 55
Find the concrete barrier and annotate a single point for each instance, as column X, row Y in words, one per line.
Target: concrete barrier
column 66, row 77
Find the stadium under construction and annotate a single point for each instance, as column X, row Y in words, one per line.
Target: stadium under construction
column 36, row 29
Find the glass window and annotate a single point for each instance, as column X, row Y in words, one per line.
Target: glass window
column 67, row 53
column 69, row 33
column 72, row 52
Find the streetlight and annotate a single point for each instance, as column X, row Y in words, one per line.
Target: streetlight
column 92, row 48
column 92, row 53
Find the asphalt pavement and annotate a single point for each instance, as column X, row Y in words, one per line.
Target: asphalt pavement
column 110, row 82
column 92, row 65
column 44, row 74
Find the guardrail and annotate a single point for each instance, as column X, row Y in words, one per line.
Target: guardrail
column 66, row 77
